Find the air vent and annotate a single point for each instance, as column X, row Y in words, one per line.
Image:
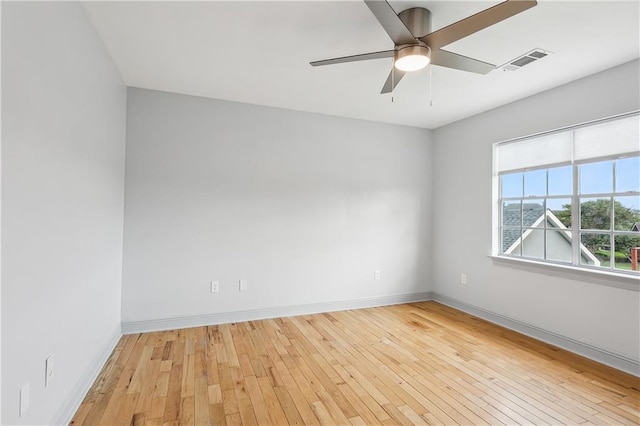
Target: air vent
column 526, row 59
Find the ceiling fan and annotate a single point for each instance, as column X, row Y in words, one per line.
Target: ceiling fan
column 416, row 46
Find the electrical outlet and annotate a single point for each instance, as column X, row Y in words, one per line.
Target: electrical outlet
column 463, row 278
column 243, row 285
column 49, row 365
column 215, row 286
column 376, row 275
column 24, row 399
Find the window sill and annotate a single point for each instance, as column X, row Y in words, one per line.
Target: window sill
column 611, row 279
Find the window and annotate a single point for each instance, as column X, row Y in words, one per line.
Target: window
column 572, row 196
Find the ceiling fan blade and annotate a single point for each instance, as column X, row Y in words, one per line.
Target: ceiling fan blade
column 476, row 22
column 390, row 21
column 354, row 58
column 447, row 59
column 394, row 76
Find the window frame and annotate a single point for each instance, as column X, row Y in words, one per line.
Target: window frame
column 575, row 265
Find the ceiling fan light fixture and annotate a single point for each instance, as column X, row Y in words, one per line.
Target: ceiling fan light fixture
column 412, row 58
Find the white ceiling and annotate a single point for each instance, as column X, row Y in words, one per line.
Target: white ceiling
column 258, row 52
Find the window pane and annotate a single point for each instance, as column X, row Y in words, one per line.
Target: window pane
column 510, row 241
column 533, row 243
column 511, row 185
column 595, row 213
column 596, row 250
column 561, row 181
column 535, row 183
column 628, row 174
column 561, row 209
column 627, row 212
column 596, row 178
column 559, row 246
column 511, row 213
column 623, row 256
column 532, row 212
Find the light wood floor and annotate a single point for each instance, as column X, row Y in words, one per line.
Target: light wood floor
column 421, row 363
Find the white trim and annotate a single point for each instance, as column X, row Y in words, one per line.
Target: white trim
column 580, row 273
column 496, row 205
column 277, row 312
column 617, row 361
column 71, row 404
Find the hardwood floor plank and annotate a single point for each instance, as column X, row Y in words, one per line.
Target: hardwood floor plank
column 138, row 419
column 140, row 370
column 97, row 409
column 174, row 389
column 157, row 408
column 413, row 364
column 289, row 407
column 622, row 415
column 276, row 414
column 187, row 411
column 216, row 413
column 233, row 419
column 230, row 349
column 632, row 410
column 257, row 400
column 161, row 386
column 201, row 402
column 378, row 411
column 361, row 408
column 126, row 410
column 322, row 414
column 357, row 421
column 247, row 414
column 153, row 422
column 230, row 402
column 411, row 415
column 188, row 372
column 113, row 407
column 395, row 416
column 215, row 394
column 339, row 416
column 149, row 382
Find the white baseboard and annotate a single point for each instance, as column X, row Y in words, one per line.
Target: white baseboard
column 279, row 312
column 602, row 356
column 74, row 399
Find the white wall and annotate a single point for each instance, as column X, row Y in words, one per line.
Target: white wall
column 0, row 218
column 63, row 134
column 304, row 206
column 597, row 315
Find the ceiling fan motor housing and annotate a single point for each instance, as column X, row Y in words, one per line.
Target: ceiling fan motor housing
column 417, row 20
column 414, row 56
